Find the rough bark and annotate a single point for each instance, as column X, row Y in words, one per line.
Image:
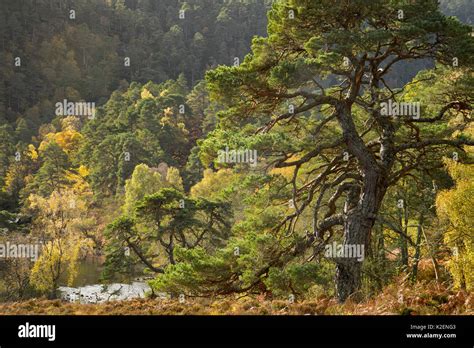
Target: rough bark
column 360, row 215
column 358, row 224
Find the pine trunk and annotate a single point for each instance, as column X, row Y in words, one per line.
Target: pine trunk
column 357, row 227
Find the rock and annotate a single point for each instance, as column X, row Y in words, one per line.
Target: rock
column 102, row 293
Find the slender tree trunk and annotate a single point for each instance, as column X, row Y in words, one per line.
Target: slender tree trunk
column 381, row 245
column 417, row 250
column 402, row 241
column 379, row 254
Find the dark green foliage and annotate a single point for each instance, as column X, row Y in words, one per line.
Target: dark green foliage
column 165, row 221
column 117, row 263
column 297, row 279
column 52, row 173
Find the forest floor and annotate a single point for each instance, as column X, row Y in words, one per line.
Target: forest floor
column 427, row 298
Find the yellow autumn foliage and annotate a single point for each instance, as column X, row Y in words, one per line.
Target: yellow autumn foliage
column 58, row 257
column 63, row 244
column 32, row 152
column 146, row 94
column 69, row 140
column 454, row 207
column 83, row 171
column 286, row 172
column 213, row 183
